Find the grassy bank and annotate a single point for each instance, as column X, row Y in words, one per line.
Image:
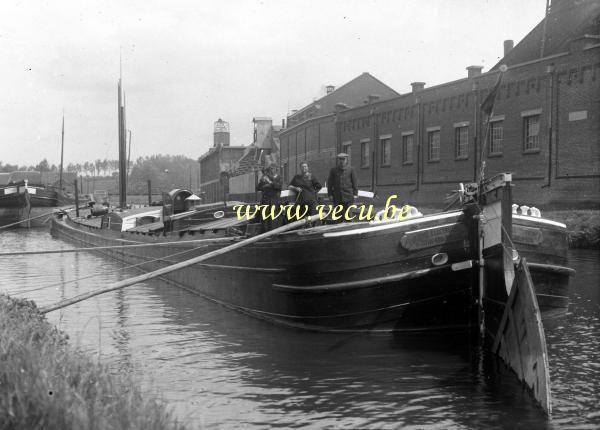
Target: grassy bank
column 583, row 226
column 47, row 384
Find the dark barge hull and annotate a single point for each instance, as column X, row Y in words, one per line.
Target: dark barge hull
column 299, row 279
column 357, row 276
column 27, row 206
column 14, row 207
column 544, row 243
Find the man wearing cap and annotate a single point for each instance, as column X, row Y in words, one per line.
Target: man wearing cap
column 270, row 184
column 342, row 185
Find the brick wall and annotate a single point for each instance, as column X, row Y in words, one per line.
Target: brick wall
column 561, row 94
column 312, row 141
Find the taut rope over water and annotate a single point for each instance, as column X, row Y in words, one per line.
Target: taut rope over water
column 150, row 275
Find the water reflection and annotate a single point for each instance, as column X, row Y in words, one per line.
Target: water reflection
column 220, row 368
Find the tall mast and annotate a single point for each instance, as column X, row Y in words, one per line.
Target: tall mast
column 62, row 148
column 122, row 145
column 128, row 153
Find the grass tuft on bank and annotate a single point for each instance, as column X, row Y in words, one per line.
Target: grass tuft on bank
column 47, row 384
column 583, row 226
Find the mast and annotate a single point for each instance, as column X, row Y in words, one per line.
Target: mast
column 122, row 147
column 62, row 148
column 128, row 153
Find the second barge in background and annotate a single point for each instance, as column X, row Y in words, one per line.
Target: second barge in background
column 26, row 202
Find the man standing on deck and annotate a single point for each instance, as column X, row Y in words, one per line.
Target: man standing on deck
column 270, row 184
column 342, row 185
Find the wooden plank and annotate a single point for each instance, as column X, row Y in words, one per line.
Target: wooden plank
column 520, row 339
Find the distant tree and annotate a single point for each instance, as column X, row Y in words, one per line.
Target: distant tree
column 155, row 168
column 7, row 168
column 114, row 166
column 43, row 166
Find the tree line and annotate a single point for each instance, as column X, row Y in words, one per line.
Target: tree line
column 165, row 172
column 89, row 168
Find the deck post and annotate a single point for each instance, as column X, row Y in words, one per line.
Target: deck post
column 149, row 193
column 76, row 198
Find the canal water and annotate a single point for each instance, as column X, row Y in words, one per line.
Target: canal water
column 218, row 368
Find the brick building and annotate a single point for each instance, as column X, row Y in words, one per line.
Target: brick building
column 235, row 169
column 311, row 132
column 545, row 127
column 221, row 158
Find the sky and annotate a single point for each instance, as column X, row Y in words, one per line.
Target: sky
column 185, row 64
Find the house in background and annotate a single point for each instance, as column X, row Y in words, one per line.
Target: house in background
column 217, row 163
column 545, row 127
column 263, row 151
column 233, row 170
column 311, row 133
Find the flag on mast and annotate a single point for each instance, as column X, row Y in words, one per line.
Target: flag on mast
column 487, row 106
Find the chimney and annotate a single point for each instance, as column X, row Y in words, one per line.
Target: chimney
column 283, row 123
column 508, row 46
column 373, row 98
column 417, row 86
column 473, row 71
column 330, row 88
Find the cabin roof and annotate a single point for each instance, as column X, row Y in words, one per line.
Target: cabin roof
column 149, row 210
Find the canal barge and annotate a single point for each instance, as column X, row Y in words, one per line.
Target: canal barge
column 26, row 202
column 413, row 273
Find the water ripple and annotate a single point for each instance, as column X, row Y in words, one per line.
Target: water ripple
column 221, row 369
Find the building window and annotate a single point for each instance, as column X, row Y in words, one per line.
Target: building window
column 461, row 142
column 496, row 137
column 531, row 133
column 407, row 148
column 347, row 148
column 433, row 139
column 386, row 151
column 364, row 154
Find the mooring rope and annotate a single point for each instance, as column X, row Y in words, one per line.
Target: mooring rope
column 177, row 266
column 26, row 220
column 100, row 248
column 63, row 209
column 133, row 266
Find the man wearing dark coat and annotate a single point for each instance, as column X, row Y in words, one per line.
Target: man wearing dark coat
column 306, row 187
column 270, row 184
column 342, row 185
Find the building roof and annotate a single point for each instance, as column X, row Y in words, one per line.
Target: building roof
column 333, row 96
column 567, row 20
column 214, row 151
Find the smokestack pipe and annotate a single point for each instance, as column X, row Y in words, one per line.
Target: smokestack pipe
column 473, row 71
column 417, row 86
column 508, row 46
